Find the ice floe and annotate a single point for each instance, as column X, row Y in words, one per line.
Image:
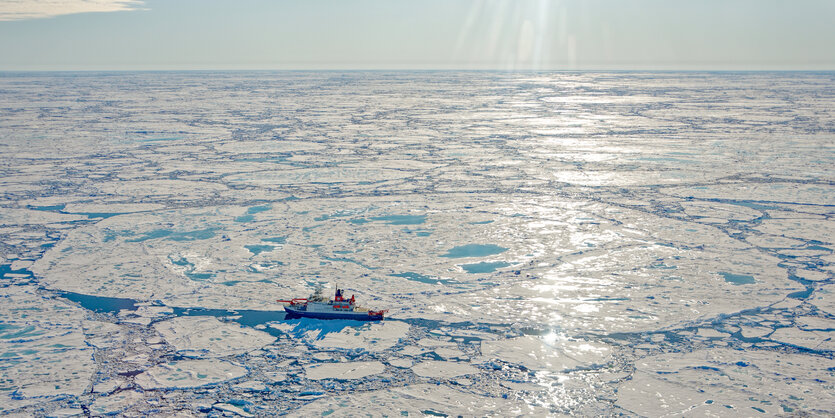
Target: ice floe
column 206, row 336
column 535, row 354
column 116, row 403
column 420, row 400
column 722, row 381
column 370, row 337
column 343, row 371
column 443, row 369
column 189, row 374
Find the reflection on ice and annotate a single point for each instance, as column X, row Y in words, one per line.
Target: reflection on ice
column 587, row 244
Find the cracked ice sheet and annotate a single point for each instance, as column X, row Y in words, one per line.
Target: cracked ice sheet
column 630, row 277
column 663, row 128
column 204, row 258
column 816, row 340
column 807, row 229
column 824, row 299
column 417, row 400
column 201, row 336
column 723, row 381
column 762, row 192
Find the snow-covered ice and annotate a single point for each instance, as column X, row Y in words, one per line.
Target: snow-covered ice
column 189, row 374
column 201, row 336
column 343, row 371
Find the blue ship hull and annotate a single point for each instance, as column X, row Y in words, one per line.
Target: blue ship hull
column 358, row 316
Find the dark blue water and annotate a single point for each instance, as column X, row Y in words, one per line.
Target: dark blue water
column 101, row 304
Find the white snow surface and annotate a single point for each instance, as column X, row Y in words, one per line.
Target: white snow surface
column 206, row 336
column 343, row 371
column 189, row 374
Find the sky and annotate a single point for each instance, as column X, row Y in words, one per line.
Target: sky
column 513, row 35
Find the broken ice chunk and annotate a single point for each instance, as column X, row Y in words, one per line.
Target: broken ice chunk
column 344, row 371
column 443, row 369
column 206, row 336
column 188, row 374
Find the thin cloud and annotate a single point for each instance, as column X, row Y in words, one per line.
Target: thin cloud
column 36, row 9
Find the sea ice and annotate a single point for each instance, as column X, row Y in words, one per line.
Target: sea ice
column 206, row 336
column 231, row 409
column 401, row 363
column 343, row 371
column 824, row 298
column 722, row 381
column 812, row 340
column 373, row 337
column 189, row 374
column 115, row 403
column 420, row 400
column 626, row 224
column 443, row 369
column 532, row 353
column 250, row 385
column 43, row 349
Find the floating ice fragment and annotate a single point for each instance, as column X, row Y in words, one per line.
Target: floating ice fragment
column 402, row 363
column 343, row 371
column 21, row 264
column 370, row 337
column 206, row 336
column 275, row 377
column 443, row 369
column 812, row 275
column 188, row 374
column 116, row 402
column 812, row 340
column 755, row 332
column 808, row 323
column 65, row 413
column 824, row 298
column 711, row 333
column 107, row 386
column 449, row 353
column 232, row 409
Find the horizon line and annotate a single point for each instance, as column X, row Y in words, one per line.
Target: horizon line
column 497, row 70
